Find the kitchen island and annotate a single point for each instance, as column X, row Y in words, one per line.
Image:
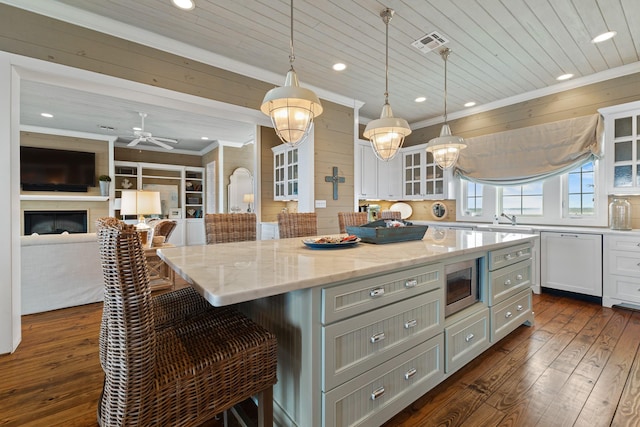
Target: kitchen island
column 361, row 329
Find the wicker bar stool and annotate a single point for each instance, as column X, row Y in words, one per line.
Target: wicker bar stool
column 297, row 224
column 230, row 227
column 185, row 373
column 390, row 215
column 351, row 218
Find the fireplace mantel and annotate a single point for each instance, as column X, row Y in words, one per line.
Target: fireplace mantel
column 66, row 198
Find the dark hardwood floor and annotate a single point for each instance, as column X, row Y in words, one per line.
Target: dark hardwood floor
column 577, row 365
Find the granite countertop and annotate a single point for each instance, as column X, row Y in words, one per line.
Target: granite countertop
column 230, row 273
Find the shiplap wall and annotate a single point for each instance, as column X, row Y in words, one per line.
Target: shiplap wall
column 36, row 36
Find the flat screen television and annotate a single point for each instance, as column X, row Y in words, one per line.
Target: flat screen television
column 47, row 169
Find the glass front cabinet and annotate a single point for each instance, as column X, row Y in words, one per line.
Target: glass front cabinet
column 422, row 178
column 622, row 150
column 285, row 172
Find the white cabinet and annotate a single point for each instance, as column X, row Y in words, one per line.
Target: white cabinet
column 571, row 262
column 621, row 270
column 422, row 178
column 367, row 170
column 622, row 139
column 390, row 178
column 285, row 172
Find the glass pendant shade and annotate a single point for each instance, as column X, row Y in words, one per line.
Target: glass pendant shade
column 386, row 134
column 292, row 109
column 446, row 148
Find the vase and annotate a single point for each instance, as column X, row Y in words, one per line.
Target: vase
column 104, row 188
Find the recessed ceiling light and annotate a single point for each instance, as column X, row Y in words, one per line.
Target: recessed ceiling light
column 564, row 76
column 470, row 104
column 204, row 138
column 184, row 4
column 339, row 66
column 47, row 115
column 421, row 99
column 604, row 36
column 137, row 128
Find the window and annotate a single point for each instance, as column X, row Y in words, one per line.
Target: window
column 473, row 199
column 581, row 191
column 525, row 200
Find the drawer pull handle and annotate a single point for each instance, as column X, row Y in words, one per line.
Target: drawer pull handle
column 508, row 315
column 374, row 293
column 410, row 324
column 410, row 373
column 508, row 257
column 519, row 277
column 519, row 307
column 377, row 393
column 520, row 253
column 638, row 264
column 507, row 282
column 569, row 235
column 638, row 244
column 469, row 337
column 411, row 283
column 377, row 337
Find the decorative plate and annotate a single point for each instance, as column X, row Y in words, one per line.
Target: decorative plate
column 405, row 209
column 315, row 245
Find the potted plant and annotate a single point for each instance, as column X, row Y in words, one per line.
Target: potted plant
column 104, row 184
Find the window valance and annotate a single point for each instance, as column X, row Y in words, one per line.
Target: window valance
column 529, row 154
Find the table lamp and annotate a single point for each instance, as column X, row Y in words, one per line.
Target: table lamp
column 248, row 198
column 141, row 203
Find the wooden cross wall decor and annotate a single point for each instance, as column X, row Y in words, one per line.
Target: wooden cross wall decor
column 335, row 179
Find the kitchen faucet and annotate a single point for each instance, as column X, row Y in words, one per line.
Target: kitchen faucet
column 510, row 218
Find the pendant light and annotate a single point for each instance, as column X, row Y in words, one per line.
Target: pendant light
column 387, row 133
column 291, row 107
column 445, row 148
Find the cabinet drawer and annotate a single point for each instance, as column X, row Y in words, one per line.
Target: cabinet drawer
column 395, row 384
column 507, row 256
column 508, row 315
column 508, row 281
column 625, row 288
column 466, row 339
column 342, row 301
column 623, row 243
column 624, row 263
column 353, row 346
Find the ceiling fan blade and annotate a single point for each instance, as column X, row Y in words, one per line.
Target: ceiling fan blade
column 165, row 140
column 161, row 144
column 134, row 142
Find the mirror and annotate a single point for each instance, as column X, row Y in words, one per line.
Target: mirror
column 438, row 210
column 241, row 184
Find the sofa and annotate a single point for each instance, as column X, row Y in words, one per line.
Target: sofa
column 60, row 270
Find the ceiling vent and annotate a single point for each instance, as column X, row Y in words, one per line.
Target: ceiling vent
column 430, row 42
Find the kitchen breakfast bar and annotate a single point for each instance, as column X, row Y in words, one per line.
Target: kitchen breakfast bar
column 361, row 329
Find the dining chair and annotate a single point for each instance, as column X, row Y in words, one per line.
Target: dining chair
column 185, row 372
column 351, row 218
column 390, row 215
column 230, row 227
column 297, row 224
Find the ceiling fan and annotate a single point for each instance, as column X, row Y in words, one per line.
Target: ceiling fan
column 143, row 136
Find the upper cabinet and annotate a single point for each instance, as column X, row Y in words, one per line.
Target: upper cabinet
column 367, row 170
column 622, row 148
column 285, row 172
column 422, row 178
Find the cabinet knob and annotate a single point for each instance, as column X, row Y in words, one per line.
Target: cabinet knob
column 519, row 307
column 410, row 373
column 378, row 292
column 377, row 337
column 507, row 282
column 469, row 337
column 411, row 283
column 520, row 253
column 410, row 324
column 519, row 277
column 378, row 393
column 508, row 315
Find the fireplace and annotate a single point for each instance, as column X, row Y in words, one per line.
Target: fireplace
column 55, row 222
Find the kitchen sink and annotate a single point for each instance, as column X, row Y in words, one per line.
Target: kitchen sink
column 505, row 228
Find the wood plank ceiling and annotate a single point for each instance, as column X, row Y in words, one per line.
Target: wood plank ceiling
column 501, row 48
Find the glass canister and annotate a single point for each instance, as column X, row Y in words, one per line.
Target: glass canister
column 620, row 214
